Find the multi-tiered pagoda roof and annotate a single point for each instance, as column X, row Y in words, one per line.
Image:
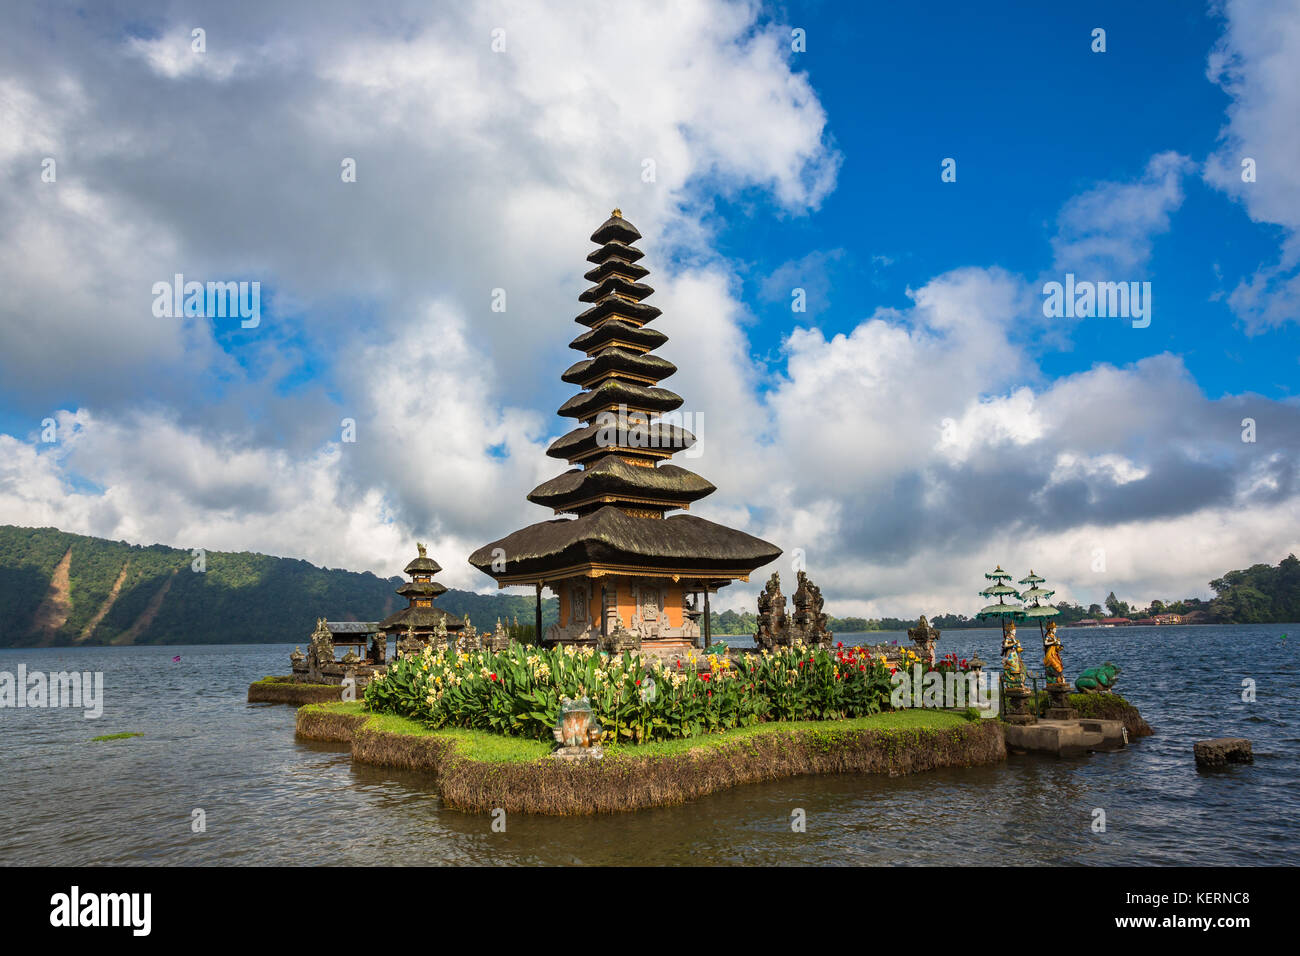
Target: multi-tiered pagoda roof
column 420, row 614
column 622, row 486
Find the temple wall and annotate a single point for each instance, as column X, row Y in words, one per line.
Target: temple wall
column 624, row 588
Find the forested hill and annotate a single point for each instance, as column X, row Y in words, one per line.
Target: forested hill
column 59, row 589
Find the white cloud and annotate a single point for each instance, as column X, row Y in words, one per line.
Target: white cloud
column 479, row 170
column 1107, row 231
column 1257, row 62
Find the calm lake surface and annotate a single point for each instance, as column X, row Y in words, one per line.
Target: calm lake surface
column 270, row 799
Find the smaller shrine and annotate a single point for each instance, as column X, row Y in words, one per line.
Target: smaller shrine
column 420, row 621
column 807, row 625
column 365, row 653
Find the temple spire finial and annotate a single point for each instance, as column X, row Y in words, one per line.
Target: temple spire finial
column 617, row 213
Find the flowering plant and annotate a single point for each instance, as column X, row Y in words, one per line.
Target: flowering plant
column 636, row 698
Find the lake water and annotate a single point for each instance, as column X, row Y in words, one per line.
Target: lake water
column 269, row 799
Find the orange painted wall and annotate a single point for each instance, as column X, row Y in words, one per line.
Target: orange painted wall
column 623, row 588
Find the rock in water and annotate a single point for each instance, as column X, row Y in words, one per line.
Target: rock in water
column 1222, row 751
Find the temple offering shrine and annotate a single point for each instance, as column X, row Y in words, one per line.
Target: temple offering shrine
column 420, row 620
column 627, row 573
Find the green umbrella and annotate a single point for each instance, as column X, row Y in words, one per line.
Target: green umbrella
column 1034, row 600
column 1002, row 610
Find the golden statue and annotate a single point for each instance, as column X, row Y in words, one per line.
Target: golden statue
column 1052, row 656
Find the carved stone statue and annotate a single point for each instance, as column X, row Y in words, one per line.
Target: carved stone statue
column 924, row 637
column 771, row 615
column 320, row 651
column 808, row 624
column 410, row 644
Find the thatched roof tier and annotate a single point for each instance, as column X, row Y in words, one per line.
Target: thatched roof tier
column 609, row 540
column 421, row 618
column 421, row 589
column 611, row 480
column 651, row 440
column 422, row 565
column 612, row 393
column 616, row 285
column 623, row 492
column 615, row 250
column 635, row 313
column 615, row 229
column 616, row 266
column 618, row 333
column 619, row 361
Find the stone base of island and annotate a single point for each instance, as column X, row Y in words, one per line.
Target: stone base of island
column 480, row 772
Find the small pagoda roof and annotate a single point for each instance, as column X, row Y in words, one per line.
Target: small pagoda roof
column 617, row 331
column 616, row 266
column 426, row 589
column 623, row 308
column 612, row 393
column 421, row 618
column 422, row 565
column 1032, row 578
column 609, row 538
column 616, row 285
column 660, row 440
column 615, row 229
column 611, row 476
column 617, row 359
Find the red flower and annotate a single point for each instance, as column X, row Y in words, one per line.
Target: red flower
column 638, row 683
column 493, row 676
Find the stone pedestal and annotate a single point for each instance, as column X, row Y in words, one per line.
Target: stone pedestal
column 1058, row 702
column 578, row 754
column 1067, row 738
column 1017, row 707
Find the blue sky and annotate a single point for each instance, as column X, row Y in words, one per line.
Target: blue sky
column 920, row 421
column 1033, row 117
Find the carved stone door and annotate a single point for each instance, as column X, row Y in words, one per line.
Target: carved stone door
column 579, row 608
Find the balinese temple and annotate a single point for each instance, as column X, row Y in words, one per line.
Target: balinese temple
column 625, row 570
column 420, row 618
